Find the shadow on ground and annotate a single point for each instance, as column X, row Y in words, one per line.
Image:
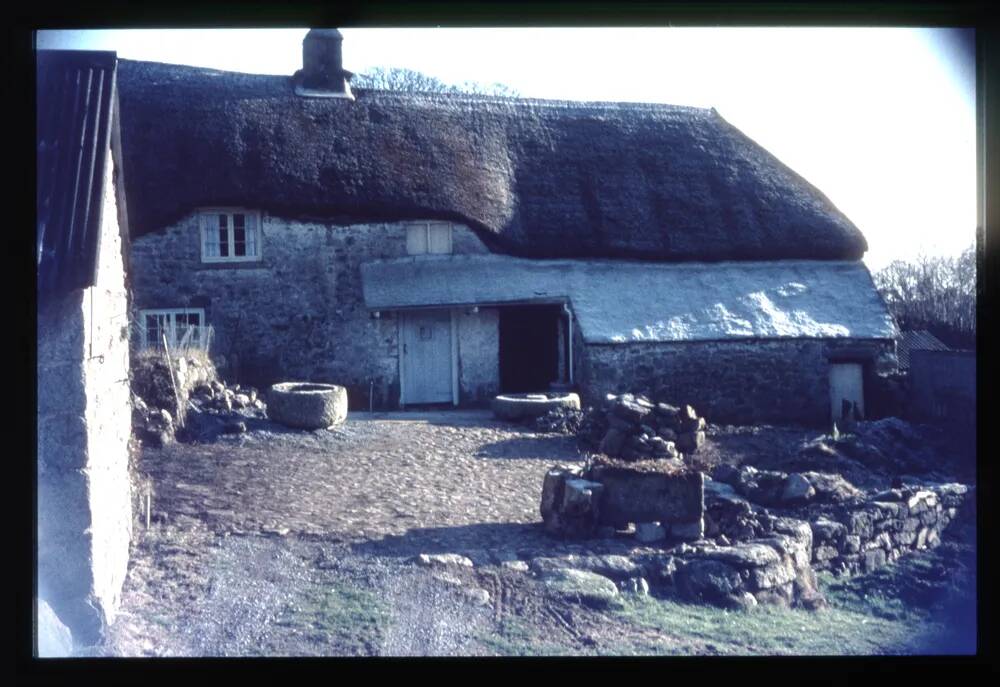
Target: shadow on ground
column 557, row 447
column 481, row 542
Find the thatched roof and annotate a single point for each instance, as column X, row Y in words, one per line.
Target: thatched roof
column 619, row 301
column 534, row 178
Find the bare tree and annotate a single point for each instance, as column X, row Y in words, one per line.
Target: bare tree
column 936, row 293
column 400, row 79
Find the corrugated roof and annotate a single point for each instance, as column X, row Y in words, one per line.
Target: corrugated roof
column 75, row 95
column 627, row 301
column 916, row 340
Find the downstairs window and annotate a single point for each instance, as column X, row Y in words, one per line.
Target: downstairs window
column 183, row 327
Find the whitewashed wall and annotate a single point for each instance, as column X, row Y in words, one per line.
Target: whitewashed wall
column 84, row 502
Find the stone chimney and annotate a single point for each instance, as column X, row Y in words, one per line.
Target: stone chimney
column 323, row 74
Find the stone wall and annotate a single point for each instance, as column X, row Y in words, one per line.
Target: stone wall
column 763, row 557
column 298, row 313
column 779, row 381
column 864, row 537
column 84, row 501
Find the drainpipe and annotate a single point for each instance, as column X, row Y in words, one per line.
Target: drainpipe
column 569, row 330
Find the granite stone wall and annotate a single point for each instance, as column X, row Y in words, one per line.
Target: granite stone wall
column 298, row 313
column 777, row 381
column 84, row 425
column 863, row 537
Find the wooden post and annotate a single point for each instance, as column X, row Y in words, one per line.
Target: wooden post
column 173, row 382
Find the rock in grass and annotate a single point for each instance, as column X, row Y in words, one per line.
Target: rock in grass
column 587, row 588
column 709, row 581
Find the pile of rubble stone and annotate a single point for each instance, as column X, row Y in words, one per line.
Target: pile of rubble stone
column 212, row 408
column 216, row 408
column 218, row 397
column 560, row 421
column 153, row 426
column 632, row 427
column 778, row 489
column 889, row 445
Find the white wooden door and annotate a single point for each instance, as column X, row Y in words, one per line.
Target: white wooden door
column 426, row 362
column 846, row 384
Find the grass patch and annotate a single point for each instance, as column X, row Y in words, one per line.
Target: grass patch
column 923, row 604
column 351, row 621
column 516, row 638
column 767, row 630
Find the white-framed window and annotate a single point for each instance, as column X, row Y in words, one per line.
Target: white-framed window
column 428, row 237
column 182, row 326
column 229, row 235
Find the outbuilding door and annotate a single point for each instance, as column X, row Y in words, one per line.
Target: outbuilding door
column 426, row 365
column 846, row 385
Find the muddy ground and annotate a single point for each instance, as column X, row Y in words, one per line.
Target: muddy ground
column 289, row 543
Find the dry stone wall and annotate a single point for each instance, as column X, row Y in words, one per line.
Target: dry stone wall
column 298, row 314
column 739, row 553
column 777, row 381
column 853, row 532
column 866, row 536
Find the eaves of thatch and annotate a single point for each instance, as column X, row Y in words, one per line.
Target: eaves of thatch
column 533, row 178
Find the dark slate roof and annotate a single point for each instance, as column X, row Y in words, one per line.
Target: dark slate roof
column 74, row 110
column 916, row 340
column 534, row 178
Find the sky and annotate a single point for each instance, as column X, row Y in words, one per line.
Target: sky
column 881, row 120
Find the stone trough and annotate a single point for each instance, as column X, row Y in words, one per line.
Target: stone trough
column 661, row 500
column 306, row 405
column 522, row 406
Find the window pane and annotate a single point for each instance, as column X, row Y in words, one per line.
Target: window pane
column 152, row 329
column 416, row 239
column 440, row 238
column 239, row 240
column 251, row 236
column 223, row 235
column 211, row 244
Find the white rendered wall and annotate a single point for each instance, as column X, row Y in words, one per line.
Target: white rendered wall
column 84, row 423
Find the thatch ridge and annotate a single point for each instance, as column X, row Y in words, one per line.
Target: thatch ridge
column 533, row 177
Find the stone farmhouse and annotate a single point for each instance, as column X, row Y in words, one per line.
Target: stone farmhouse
column 84, row 517
column 424, row 248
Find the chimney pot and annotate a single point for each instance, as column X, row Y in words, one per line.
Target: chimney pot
column 323, row 74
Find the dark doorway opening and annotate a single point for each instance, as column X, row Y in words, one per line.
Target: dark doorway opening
column 529, row 347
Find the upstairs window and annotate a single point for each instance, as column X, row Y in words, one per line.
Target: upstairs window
column 230, row 236
column 428, row 237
